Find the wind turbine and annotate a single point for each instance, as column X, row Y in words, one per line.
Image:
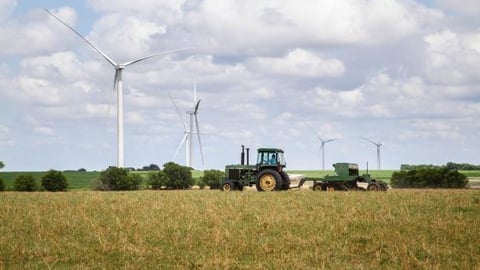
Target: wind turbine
column 378, row 145
column 322, row 147
column 193, row 128
column 117, row 84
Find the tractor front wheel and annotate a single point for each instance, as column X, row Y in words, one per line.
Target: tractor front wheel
column 228, row 186
column 269, row 180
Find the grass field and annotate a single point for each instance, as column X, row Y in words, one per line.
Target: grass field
column 398, row 229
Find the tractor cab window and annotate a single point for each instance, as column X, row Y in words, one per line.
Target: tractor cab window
column 267, row 158
column 280, row 158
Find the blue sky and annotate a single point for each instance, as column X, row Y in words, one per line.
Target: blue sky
column 403, row 72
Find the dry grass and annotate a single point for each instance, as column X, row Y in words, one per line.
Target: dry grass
column 407, row 229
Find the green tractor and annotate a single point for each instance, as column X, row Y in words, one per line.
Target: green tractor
column 346, row 177
column 267, row 174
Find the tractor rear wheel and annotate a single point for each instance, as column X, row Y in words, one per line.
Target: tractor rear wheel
column 227, row 186
column 269, row 180
column 285, row 180
column 373, row 187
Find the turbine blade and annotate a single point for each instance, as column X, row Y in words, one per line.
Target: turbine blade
column 199, row 140
column 180, row 145
column 156, row 54
column 82, row 37
column 115, row 85
column 178, row 111
column 315, row 132
column 331, row 140
column 368, row 140
column 196, row 107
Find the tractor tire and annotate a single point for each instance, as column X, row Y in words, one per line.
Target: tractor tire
column 318, row 187
column 269, row 180
column 285, row 180
column 373, row 187
column 227, row 186
column 239, row 187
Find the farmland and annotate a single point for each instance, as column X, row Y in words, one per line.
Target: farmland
column 399, row 229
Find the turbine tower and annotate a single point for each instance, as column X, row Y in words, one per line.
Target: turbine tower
column 322, row 147
column 378, row 145
column 193, row 128
column 117, row 84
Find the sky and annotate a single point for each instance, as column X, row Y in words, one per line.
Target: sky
column 272, row 73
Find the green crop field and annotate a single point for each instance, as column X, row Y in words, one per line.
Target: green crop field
column 76, row 180
column 398, row 229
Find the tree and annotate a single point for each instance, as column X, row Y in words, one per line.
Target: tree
column 429, row 177
column 2, row 185
column 25, row 183
column 115, row 178
column 211, row 178
column 179, row 177
column 157, row 180
column 55, row 181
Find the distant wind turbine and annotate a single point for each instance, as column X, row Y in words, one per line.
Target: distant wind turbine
column 378, row 145
column 194, row 128
column 117, row 84
column 322, row 147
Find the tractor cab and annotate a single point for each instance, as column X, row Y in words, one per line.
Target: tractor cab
column 270, row 157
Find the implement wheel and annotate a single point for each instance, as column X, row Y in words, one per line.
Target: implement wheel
column 318, row 187
column 373, row 187
column 227, row 186
column 269, row 180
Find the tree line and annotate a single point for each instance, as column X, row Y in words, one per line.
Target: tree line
column 449, row 165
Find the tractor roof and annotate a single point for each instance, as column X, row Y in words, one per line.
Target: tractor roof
column 270, row 150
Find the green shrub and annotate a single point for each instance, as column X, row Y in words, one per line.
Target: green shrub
column 179, row 177
column 115, row 178
column 440, row 177
column 25, row 183
column 2, row 185
column 211, row 178
column 157, row 180
column 54, row 181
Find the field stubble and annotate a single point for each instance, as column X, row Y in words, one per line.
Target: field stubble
column 406, row 229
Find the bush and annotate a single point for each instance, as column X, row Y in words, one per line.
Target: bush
column 440, row 177
column 54, row 181
column 2, row 185
column 25, row 183
column 157, row 180
column 118, row 179
column 211, row 178
column 179, row 177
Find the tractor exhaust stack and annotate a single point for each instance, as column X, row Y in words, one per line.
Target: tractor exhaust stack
column 242, row 156
column 248, row 156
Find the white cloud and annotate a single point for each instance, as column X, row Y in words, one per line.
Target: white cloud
column 6, row 7
column 453, row 58
column 5, row 137
column 299, row 62
column 37, row 32
column 468, row 7
column 125, row 36
column 252, row 26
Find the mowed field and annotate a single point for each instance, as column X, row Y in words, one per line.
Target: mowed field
column 296, row 229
